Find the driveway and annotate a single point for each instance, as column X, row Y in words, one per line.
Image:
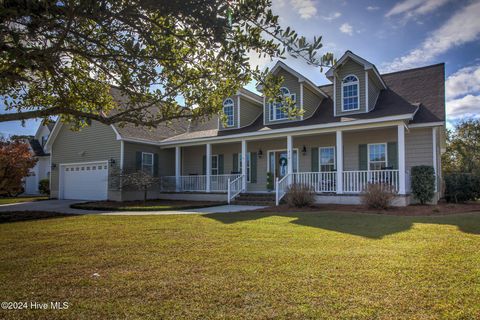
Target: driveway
column 63, row 206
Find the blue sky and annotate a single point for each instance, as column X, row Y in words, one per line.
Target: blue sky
column 394, row 35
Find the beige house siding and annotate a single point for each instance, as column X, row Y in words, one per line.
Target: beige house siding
column 418, row 148
column 350, row 67
column 235, row 114
column 311, row 101
column 373, row 91
column 291, row 83
column 94, row 143
column 166, row 163
column 249, row 111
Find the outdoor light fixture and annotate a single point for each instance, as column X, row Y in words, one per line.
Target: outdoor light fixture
column 260, row 154
column 112, row 161
column 53, row 166
column 304, row 150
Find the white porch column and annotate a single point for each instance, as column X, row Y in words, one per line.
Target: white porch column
column 178, row 167
column 290, row 158
column 401, row 158
column 208, row 164
column 339, row 156
column 244, row 165
column 435, row 162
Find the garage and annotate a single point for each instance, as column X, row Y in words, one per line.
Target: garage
column 84, row 181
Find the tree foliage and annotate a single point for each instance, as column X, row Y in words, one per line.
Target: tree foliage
column 463, row 148
column 62, row 57
column 16, row 161
column 423, row 183
column 138, row 180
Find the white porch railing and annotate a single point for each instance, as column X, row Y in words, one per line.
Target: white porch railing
column 357, row 181
column 234, row 187
column 219, row 183
column 319, row 181
column 281, row 188
column 196, row 183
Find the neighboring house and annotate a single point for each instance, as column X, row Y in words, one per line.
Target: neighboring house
column 364, row 127
column 42, row 167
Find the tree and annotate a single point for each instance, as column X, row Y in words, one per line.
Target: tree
column 463, row 148
column 63, row 57
column 16, row 161
column 140, row 180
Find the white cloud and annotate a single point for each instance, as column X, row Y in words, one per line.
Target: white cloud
column 346, row 28
column 465, row 80
column 466, row 107
column 461, row 28
column 411, row 8
column 372, row 8
column 332, row 16
column 305, row 8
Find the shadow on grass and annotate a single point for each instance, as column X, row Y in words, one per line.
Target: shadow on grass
column 16, row 216
column 373, row 226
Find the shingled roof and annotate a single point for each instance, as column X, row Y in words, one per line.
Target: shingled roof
column 418, row 92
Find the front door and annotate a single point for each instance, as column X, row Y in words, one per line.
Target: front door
column 278, row 162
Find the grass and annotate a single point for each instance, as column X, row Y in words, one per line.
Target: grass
column 254, row 265
column 149, row 205
column 22, row 199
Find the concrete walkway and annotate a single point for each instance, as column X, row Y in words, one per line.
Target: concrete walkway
column 63, row 206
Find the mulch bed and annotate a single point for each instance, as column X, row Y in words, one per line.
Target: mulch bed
column 15, row 216
column 152, row 205
column 442, row 208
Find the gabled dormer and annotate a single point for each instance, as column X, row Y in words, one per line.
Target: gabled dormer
column 306, row 95
column 356, row 85
column 240, row 110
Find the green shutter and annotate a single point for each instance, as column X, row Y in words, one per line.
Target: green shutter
column 220, row 164
column 392, row 155
column 253, row 167
column 362, row 157
column 204, row 165
column 138, row 160
column 235, row 162
column 315, row 167
column 155, row 165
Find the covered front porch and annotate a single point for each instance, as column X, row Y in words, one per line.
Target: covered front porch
column 334, row 163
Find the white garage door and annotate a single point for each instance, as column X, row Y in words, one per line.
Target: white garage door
column 87, row 181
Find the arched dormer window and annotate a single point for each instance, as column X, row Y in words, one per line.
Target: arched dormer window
column 350, row 93
column 276, row 110
column 228, row 111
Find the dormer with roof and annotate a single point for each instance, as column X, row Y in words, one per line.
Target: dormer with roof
column 240, row 110
column 356, row 85
column 306, row 95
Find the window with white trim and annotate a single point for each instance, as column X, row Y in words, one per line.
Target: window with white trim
column 228, row 111
column 377, row 156
column 327, row 159
column 214, row 171
column 350, row 93
column 147, row 162
column 248, row 164
column 277, row 110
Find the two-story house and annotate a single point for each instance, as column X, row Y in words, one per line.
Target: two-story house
column 364, row 127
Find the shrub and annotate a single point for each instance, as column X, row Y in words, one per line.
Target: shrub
column 44, row 186
column 423, row 183
column 299, row 195
column 378, row 196
column 461, row 187
column 270, row 181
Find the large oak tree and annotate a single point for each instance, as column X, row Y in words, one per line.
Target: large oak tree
column 62, row 57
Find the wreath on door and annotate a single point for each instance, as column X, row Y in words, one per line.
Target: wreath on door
column 282, row 161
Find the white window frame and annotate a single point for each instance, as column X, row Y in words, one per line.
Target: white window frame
column 368, row 155
column 232, row 105
column 357, row 83
column 273, row 106
column 145, row 164
column 249, row 166
column 320, row 158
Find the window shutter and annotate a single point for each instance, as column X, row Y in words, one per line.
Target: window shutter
column 155, row 165
column 392, row 155
column 138, row 160
column 362, row 157
column 235, row 162
column 204, row 165
column 315, row 166
column 253, row 167
column 220, row 164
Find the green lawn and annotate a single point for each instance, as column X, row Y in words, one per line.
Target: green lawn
column 244, row 266
column 149, row 205
column 21, row 199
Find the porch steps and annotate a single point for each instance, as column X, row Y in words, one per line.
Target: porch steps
column 255, row 199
